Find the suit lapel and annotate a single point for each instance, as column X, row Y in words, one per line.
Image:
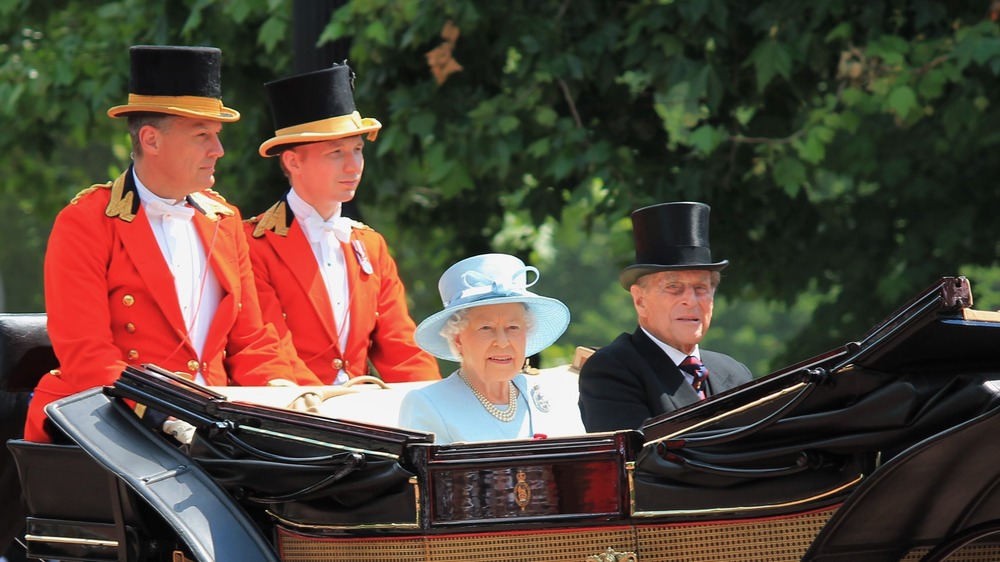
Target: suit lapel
column 719, row 378
column 677, row 390
column 356, row 303
column 217, row 242
column 142, row 248
column 295, row 251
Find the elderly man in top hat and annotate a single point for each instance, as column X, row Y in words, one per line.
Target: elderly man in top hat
column 660, row 367
column 327, row 282
column 154, row 267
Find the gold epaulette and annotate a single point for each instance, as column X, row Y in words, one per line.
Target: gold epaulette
column 123, row 204
column 209, row 205
column 215, row 193
column 275, row 218
column 359, row 225
column 85, row 192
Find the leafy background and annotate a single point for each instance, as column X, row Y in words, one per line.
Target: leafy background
column 848, row 149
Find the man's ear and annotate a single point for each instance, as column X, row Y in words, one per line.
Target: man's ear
column 289, row 159
column 638, row 300
column 149, row 138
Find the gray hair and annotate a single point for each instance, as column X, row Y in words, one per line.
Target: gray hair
column 459, row 320
column 136, row 121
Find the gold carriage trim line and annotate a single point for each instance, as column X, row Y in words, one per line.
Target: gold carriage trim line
column 630, row 468
column 70, row 540
column 734, row 411
column 288, row 437
column 296, row 525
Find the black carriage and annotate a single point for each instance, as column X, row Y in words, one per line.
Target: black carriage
column 880, row 450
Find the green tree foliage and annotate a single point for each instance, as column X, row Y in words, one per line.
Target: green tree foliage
column 845, row 147
column 63, row 64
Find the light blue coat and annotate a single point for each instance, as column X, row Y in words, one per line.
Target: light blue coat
column 450, row 410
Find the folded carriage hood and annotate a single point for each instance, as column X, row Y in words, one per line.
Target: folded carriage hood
column 201, row 513
column 939, row 488
column 944, row 486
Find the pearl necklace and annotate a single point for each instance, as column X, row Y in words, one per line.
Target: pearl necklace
column 505, row 415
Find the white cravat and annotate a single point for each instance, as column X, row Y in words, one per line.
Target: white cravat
column 198, row 290
column 326, row 238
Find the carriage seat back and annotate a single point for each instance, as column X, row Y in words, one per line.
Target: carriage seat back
column 25, row 351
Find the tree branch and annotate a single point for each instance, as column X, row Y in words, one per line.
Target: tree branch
column 740, row 139
column 572, row 106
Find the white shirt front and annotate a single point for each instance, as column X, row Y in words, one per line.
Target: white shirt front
column 198, row 289
column 326, row 239
column 675, row 355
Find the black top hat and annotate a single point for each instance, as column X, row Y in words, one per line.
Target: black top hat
column 316, row 106
column 670, row 237
column 184, row 81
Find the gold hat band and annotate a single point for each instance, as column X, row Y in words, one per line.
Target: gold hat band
column 324, row 129
column 193, row 103
column 332, row 124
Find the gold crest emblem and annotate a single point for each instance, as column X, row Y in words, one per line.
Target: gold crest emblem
column 610, row 555
column 522, row 492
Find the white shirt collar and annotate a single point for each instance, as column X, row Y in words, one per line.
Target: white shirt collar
column 312, row 222
column 303, row 210
column 675, row 355
column 145, row 195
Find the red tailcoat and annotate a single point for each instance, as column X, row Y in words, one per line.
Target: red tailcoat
column 111, row 301
column 294, row 298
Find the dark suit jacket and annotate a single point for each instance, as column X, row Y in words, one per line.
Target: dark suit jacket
column 631, row 380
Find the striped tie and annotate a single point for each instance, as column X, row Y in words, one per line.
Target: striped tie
column 694, row 367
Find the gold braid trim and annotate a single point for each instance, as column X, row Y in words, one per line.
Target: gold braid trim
column 85, row 192
column 275, row 218
column 360, row 225
column 120, row 205
column 209, row 206
column 214, row 193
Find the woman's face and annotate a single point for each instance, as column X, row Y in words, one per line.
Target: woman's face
column 492, row 344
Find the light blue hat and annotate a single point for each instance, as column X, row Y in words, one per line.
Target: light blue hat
column 492, row 279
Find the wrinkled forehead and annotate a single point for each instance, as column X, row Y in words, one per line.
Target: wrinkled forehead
column 689, row 276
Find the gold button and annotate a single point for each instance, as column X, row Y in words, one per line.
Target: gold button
column 193, row 365
column 128, row 300
column 130, row 328
column 337, row 363
column 133, row 355
column 55, row 373
column 204, row 367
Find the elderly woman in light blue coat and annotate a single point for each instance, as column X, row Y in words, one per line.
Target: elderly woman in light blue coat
column 489, row 325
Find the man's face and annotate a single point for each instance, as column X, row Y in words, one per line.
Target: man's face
column 186, row 153
column 675, row 306
column 328, row 171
